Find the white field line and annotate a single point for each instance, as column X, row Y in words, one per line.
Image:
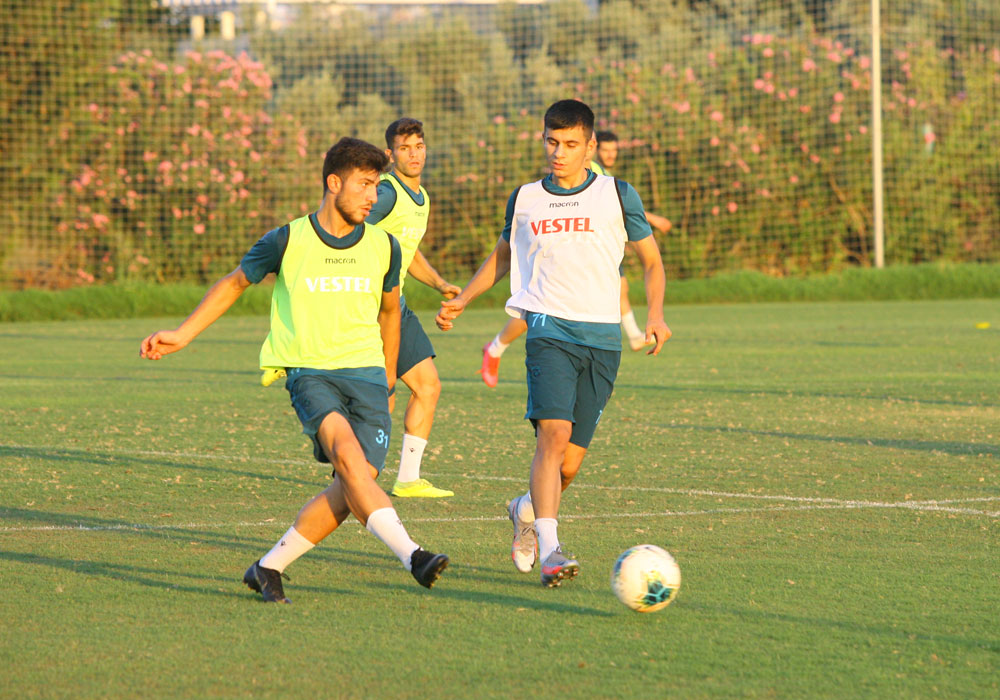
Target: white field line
column 857, row 505
column 810, row 502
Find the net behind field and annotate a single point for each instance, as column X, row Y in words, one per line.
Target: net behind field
column 136, row 147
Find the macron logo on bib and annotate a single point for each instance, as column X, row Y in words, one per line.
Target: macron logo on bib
column 339, row 284
column 561, row 225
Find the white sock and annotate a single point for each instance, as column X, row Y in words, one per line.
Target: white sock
column 630, row 327
column 525, row 511
column 409, row 458
column 548, row 537
column 496, row 348
column 386, row 525
column 290, row 547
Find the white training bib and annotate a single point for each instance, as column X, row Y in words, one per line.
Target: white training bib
column 565, row 252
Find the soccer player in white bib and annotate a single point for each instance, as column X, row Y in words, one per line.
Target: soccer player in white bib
column 562, row 243
column 335, row 333
column 402, row 209
column 605, row 158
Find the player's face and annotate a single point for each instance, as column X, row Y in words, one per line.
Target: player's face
column 357, row 194
column 568, row 151
column 607, row 153
column 409, row 154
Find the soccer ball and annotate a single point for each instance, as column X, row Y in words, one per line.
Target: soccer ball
column 646, row 578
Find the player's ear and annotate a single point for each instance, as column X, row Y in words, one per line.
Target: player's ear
column 333, row 183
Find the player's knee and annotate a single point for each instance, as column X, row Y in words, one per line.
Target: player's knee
column 554, row 433
column 428, row 389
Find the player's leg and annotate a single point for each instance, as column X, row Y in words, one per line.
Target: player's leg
column 494, row 349
column 416, row 369
column 367, row 433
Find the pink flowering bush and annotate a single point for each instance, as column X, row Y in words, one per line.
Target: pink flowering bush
column 180, row 169
column 757, row 146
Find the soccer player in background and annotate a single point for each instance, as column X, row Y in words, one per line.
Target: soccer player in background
column 562, row 242
column 335, row 331
column 605, row 158
column 402, row 210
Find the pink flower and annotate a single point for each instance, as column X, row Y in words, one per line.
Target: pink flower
column 732, row 207
column 165, row 166
column 863, row 129
column 633, row 98
column 838, row 97
column 714, row 141
column 238, row 177
column 793, row 179
column 864, row 62
column 715, row 116
column 100, row 220
column 814, row 158
column 834, row 117
column 683, row 107
column 755, row 147
column 758, row 84
column 199, row 229
column 768, row 52
column 808, row 65
column 498, row 119
column 834, row 57
column 715, row 211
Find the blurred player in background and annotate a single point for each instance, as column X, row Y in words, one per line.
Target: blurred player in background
column 563, row 240
column 335, row 332
column 606, row 156
column 402, row 209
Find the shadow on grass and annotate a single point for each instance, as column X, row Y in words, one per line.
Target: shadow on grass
column 496, row 598
column 951, row 448
column 42, row 521
column 176, row 579
column 785, row 393
column 118, row 459
column 992, row 645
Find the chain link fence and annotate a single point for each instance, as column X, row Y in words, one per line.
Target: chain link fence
column 158, row 140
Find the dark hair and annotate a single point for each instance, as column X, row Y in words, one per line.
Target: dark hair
column 567, row 114
column 403, row 127
column 348, row 155
column 606, row 137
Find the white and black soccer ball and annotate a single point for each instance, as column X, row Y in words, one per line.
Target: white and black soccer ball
column 646, row 578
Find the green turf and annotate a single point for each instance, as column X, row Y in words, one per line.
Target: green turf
column 826, row 475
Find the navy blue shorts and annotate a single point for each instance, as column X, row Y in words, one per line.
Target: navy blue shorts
column 414, row 345
column 365, row 406
column 570, row 382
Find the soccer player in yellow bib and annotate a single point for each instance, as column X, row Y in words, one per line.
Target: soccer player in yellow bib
column 562, row 242
column 605, row 158
column 402, row 209
column 335, row 331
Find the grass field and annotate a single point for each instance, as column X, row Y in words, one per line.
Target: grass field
column 826, row 475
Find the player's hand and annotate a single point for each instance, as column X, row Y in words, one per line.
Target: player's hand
column 661, row 223
column 161, row 343
column 450, row 310
column 449, row 290
column 658, row 332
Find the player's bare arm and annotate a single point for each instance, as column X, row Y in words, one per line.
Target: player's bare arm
column 660, row 223
column 422, row 271
column 655, row 279
column 493, row 269
column 216, row 302
column 388, row 323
